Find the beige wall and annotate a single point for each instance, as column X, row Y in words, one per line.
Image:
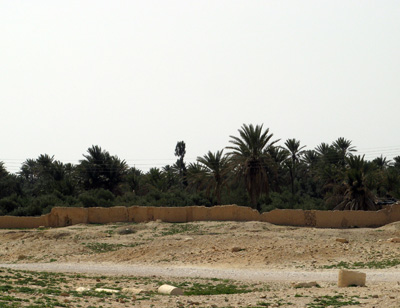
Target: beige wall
column 61, row 217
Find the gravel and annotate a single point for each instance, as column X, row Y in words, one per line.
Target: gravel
column 241, row 274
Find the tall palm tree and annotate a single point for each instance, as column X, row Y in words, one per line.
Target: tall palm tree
column 381, row 162
column 344, row 149
column 99, row 169
column 357, row 196
column 196, row 176
column 276, row 170
column 215, row 170
column 295, row 150
column 248, row 158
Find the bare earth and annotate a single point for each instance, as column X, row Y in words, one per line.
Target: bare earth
column 267, row 259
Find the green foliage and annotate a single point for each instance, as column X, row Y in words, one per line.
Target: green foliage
column 180, row 228
column 249, row 159
column 332, row 301
column 285, row 200
column 256, row 172
column 99, row 169
column 97, row 198
column 106, row 247
column 211, row 289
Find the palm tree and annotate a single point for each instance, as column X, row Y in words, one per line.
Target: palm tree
column 196, row 176
column 180, row 166
column 276, row 170
column 99, row 169
column 249, row 157
column 381, row 162
column 357, row 196
column 344, row 149
column 215, row 171
column 295, row 151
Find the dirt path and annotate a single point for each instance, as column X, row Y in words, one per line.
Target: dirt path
column 241, row 274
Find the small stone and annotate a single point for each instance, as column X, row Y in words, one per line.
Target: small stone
column 236, row 249
column 133, row 290
column 305, row 284
column 82, row 289
column 106, row 290
column 394, row 240
column 342, row 240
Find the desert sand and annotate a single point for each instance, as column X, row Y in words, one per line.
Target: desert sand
column 266, row 259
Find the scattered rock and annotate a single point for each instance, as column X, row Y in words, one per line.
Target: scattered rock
column 394, row 240
column 170, row 290
column 133, row 290
column 305, row 284
column 193, row 303
column 126, row 230
column 82, row 289
column 342, row 240
column 236, row 249
column 351, row 278
column 187, row 239
column 106, row 290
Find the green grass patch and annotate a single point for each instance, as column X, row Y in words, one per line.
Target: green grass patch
column 180, row 228
column 105, row 247
column 332, row 301
column 211, row 289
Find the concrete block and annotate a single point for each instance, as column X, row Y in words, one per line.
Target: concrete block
column 170, row 290
column 351, row 278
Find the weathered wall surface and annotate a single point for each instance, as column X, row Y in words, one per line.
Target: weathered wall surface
column 10, row 222
column 61, row 217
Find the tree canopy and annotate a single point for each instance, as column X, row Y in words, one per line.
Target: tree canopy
column 253, row 170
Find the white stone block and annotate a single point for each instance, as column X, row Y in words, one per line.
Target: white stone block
column 106, row 290
column 170, row 290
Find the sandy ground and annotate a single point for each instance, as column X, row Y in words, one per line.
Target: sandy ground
column 256, row 252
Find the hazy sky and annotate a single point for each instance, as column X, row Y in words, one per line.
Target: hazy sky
column 135, row 77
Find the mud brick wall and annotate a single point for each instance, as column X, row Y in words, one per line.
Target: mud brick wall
column 61, row 217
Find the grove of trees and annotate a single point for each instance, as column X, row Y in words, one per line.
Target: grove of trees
column 251, row 171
